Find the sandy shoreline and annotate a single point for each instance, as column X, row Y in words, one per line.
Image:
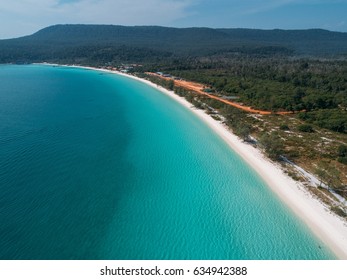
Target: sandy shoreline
column 328, row 227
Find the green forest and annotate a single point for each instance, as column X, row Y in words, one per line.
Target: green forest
column 315, row 89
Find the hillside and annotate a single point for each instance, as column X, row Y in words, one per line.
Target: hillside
column 315, row 42
column 151, row 43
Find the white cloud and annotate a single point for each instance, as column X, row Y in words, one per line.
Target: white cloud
column 27, row 16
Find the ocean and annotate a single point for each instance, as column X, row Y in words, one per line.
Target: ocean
column 95, row 165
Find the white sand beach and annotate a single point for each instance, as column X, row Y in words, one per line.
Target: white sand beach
column 328, row 227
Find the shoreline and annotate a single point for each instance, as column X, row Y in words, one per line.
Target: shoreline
column 325, row 225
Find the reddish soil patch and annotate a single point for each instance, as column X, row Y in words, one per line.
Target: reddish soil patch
column 199, row 88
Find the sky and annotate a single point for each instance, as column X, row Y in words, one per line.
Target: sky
column 24, row 17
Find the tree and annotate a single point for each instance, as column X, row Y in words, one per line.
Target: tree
column 244, row 131
column 329, row 175
column 342, row 151
column 305, row 128
column 342, row 154
column 284, row 127
column 272, row 144
column 171, row 85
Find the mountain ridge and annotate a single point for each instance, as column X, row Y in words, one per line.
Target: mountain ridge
column 57, row 41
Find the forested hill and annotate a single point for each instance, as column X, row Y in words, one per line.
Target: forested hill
column 313, row 42
column 110, row 42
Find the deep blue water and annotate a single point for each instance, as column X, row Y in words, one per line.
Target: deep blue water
column 98, row 166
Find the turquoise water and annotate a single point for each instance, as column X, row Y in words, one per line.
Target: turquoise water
column 99, row 166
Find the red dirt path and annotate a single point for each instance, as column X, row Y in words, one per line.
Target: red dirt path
column 199, row 88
